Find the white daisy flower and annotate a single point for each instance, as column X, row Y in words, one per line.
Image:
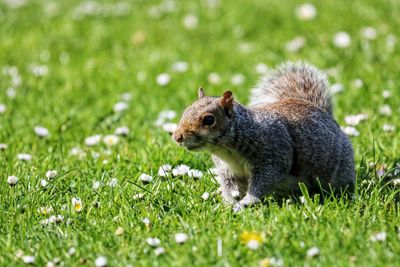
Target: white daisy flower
column 214, row 78
column 93, row 140
column 163, row 79
column 354, row 120
column 146, row 221
column 195, row 174
column 358, row 83
column 253, row 244
column 39, row 70
column 96, row 185
column 388, row 128
column 77, row 204
column 385, row 110
column 164, row 170
column 77, row 152
column 41, row 131
column 167, row 114
column 169, row 127
column 386, row 94
column 396, row 182
column 153, row 241
column 190, row 21
column 145, row 178
column 113, row 182
column 45, row 210
column 2, row 108
column 306, row 11
column 122, row 130
column 11, row 93
column 126, row 97
column 342, row 40
column 336, row 88
column 180, row 170
column 181, row 238
column 110, row 140
column 261, row 68
column 120, row 106
column 205, row 196
column 3, row 146
column 138, row 196
column 28, row 259
column 312, row 252
column 296, row 44
column 159, row 251
column 12, row 180
column 180, row 66
column 237, row 79
column 119, row 231
column 350, row 131
column 51, row 174
column 100, row 261
column 71, row 251
column 378, row 237
column 24, row 157
column 43, row 183
column 369, row 33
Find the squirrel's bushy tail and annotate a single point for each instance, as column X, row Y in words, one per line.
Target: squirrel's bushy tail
column 293, row 80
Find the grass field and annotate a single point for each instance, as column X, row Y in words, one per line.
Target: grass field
column 85, row 68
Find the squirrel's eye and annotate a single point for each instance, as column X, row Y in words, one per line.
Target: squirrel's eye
column 208, row 120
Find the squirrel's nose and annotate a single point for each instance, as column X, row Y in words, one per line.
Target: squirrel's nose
column 178, row 137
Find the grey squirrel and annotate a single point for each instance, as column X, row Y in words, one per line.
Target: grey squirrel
column 287, row 135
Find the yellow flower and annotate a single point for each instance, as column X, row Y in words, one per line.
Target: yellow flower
column 265, row 262
column 77, row 204
column 246, row 236
column 253, row 240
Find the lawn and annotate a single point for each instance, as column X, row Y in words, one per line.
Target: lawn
column 84, row 86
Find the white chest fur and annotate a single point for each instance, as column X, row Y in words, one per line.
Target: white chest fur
column 235, row 162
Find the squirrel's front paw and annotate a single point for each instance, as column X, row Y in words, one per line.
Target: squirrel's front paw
column 248, row 200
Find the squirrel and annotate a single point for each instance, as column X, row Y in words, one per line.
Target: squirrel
column 286, row 136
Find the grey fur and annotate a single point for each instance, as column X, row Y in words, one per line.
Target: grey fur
column 293, row 80
column 268, row 148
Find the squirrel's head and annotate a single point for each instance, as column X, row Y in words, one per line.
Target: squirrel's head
column 205, row 121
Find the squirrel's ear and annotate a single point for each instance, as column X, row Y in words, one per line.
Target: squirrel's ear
column 226, row 101
column 200, row 93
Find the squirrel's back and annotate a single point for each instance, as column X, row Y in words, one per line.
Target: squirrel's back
column 293, row 81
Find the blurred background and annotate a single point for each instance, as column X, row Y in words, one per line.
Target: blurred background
column 65, row 64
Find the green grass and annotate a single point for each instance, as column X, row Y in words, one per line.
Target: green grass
column 92, row 60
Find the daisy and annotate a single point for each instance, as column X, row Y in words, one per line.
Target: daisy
column 43, row 183
column 119, row 231
column 145, row 178
column 261, row 68
column 93, row 140
column 77, row 204
column 350, row 131
column 190, row 21
column 164, row 170
column 342, row 40
column 12, row 180
column 237, row 79
column 378, row 237
column 296, row 44
column 122, row 130
column 169, row 127
column 113, row 182
column 180, row 66
column 24, row 157
column 28, row 259
column 41, row 131
column 51, row 174
column 214, row 78
column 205, row 196
column 153, row 241
column 110, row 140
column 195, row 174
column 388, row 128
column 385, row 110
column 2, row 108
column 312, row 252
column 180, row 170
column 120, row 106
column 306, row 11
column 159, row 251
column 100, row 261
column 126, row 97
column 253, row 240
column 181, row 238
column 336, row 88
column 96, row 185
column 354, row 120
column 3, row 146
column 369, row 33
column 163, row 79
